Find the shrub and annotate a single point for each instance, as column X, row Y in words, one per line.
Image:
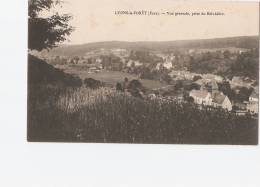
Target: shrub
column 92, row 83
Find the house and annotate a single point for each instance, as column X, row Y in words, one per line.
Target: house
column 158, row 66
column 221, row 100
column 94, row 70
column 134, row 63
column 167, row 64
column 82, row 61
column 239, row 82
column 253, row 97
column 200, row 82
column 98, row 60
column 180, row 75
column 201, row 97
column 203, row 83
column 119, row 52
column 242, row 51
column 212, row 77
column 252, row 105
column 216, row 99
column 240, row 106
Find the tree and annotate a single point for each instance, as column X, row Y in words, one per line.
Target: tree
column 178, row 85
column 119, row 87
column 244, row 93
column 192, row 86
column 226, row 89
column 227, row 54
column 92, row 83
column 46, row 32
column 167, row 78
column 196, row 77
column 136, row 88
column 190, row 99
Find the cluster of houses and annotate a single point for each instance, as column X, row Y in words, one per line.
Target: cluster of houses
column 216, row 98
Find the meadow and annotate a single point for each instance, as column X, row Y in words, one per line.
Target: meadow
column 111, row 77
column 107, row 116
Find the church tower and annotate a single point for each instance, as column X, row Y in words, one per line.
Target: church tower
column 214, row 88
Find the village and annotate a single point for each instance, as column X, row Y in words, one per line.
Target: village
column 238, row 94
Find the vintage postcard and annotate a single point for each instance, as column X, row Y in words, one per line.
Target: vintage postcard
column 161, row 72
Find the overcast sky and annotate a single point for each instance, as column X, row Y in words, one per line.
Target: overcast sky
column 94, row 20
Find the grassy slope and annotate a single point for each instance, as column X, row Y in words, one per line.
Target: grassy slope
column 104, row 115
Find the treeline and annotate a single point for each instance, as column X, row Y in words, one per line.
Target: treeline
column 144, row 56
column 246, row 64
column 227, row 65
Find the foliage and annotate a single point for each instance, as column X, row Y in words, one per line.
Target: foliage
column 119, row 87
column 196, row 77
column 246, row 64
column 190, row 99
column 241, row 64
column 46, row 32
column 192, row 86
column 146, row 73
column 243, row 94
column 135, row 88
column 144, row 56
column 178, row 85
column 92, row 83
column 226, row 89
column 166, row 78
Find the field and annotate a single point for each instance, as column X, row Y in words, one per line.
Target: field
column 110, row 77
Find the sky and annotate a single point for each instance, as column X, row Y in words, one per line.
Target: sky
column 95, row 20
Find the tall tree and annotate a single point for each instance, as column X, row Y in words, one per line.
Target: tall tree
column 46, row 32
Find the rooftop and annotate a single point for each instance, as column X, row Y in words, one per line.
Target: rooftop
column 199, row 93
column 254, row 95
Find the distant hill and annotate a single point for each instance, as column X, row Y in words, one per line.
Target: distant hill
column 246, row 42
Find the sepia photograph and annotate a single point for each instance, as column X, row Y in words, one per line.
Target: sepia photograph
column 145, row 73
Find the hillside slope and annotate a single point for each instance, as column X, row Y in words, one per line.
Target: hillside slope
column 42, row 73
column 238, row 42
